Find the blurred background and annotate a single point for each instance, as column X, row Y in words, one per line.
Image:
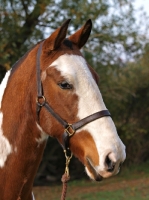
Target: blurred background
column 118, row 49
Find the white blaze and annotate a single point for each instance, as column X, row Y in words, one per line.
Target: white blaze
column 75, row 70
column 5, row 147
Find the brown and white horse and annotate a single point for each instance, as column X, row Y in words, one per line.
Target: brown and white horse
column 70, row 87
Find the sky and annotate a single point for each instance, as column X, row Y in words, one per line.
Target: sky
column 144, row 3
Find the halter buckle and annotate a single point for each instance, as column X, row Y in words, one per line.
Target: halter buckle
column 70, row 130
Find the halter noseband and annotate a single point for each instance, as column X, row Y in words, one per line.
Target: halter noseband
column 69, row 129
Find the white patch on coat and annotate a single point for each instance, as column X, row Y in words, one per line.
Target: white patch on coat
column 75, row 70
column 43, row 137
column 5, row 147
column 3, row 86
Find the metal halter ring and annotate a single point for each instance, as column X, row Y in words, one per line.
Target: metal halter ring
column 70, row 130
column 41, row 101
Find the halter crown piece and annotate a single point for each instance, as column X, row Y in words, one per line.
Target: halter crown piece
column 69, row 129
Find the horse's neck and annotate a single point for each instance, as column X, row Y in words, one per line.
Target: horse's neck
column 20, row 153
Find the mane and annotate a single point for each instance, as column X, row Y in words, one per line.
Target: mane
column 17, row 64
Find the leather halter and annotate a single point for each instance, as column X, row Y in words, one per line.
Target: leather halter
column 69, row 129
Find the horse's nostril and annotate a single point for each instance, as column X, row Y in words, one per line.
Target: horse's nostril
column 110, row 164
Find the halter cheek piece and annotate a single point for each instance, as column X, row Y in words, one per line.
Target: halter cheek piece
column 69, row 129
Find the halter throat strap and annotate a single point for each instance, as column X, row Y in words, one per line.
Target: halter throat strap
column 69, row 129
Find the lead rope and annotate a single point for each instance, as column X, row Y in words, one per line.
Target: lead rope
column 65, row 178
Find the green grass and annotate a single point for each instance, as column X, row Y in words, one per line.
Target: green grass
column 127, row 193
column 131, row 184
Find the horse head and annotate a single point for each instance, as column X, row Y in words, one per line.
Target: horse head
column 69, row 85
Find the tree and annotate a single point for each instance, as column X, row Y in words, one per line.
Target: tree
column 115, row 32
column 18, row 28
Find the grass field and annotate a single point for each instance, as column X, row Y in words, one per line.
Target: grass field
column 130, row 184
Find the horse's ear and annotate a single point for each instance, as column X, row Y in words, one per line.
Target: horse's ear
column 81, row 36
column 55, row 39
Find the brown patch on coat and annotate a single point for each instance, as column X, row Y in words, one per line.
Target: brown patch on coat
column 83, row 145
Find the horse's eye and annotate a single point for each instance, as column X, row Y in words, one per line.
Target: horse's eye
column 65, row 85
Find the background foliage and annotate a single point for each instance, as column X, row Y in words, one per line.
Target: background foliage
column 118, row 49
